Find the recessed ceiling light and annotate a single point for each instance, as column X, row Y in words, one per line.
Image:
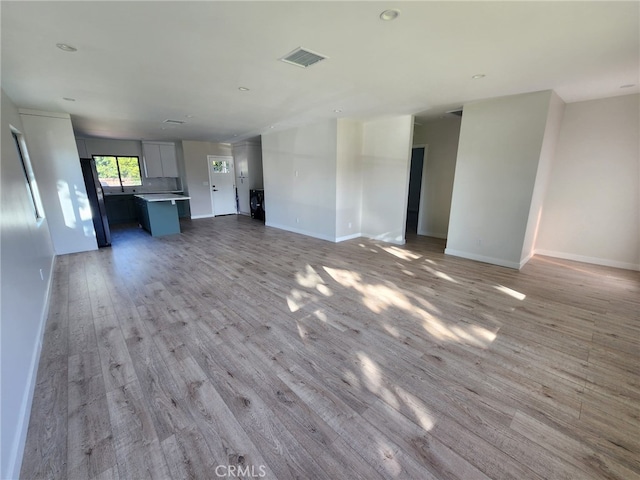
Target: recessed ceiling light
column 243, row 89
column 478, row 75
column 390, row 14
column 628, row 85
column 337, row 110
column 188, row 116
column 69, row 99
column 66, row 48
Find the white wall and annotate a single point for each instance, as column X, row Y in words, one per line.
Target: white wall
column 89, row 146
column 197, row 174
column 348, row 179
column 441, row 136
column 386, row 157
column 547, row 154
column 592, row 205
column 56, row 166
column 247, row 158
column 496, row 167
column 300, row 179
column 26, row 251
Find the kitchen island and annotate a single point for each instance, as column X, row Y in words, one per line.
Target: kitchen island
column 158, row 212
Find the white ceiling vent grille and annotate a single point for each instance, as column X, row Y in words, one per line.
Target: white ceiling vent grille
column 302, row 57
column 174, row 122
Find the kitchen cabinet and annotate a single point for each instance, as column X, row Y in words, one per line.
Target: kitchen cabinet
column 247, row 157
column 160, row 159
column 82, row 148
column 120, row 209
column 158, row 212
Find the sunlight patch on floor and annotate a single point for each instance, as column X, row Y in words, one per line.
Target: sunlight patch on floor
column 309, row 278
column 324, row 290
column 301, row 330
column 370, row 371
column 439, row 274
column 297, row 299
column 320, row 315
column 420, row 411
column 379, row 298
column 373, row 379
column 512, row 293
column 312, row 280
column 480, row 332
column 473, row 335
column 402, row 254
column 391, row 330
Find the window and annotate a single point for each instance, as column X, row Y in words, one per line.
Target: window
column 28, row 175
column 118, row 171
column 220, row 166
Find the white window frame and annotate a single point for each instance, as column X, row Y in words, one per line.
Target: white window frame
column 30, row 180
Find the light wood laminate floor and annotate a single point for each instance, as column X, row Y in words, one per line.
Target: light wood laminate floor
column 236, row 349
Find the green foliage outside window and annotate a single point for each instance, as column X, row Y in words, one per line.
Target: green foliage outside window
column 118, row 171
column 220, row 166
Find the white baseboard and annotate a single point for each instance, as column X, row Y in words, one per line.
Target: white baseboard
column 348, row 237
column 384, row 238
column 427, row 233
column 526, row 259
column 20, row 439
column 585, row 259
column 300, row 231
column 481, row 258
column 196, row 217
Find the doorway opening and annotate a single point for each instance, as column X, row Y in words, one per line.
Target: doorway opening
column 222, row 183
column 415, row 188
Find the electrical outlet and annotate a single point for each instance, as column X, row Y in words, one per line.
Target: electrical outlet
column 297, row 220
column 349, row 224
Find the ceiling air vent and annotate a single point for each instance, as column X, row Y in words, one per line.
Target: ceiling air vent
column 302, row 57
column 174, row 122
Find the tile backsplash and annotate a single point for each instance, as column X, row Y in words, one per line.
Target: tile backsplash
column 151, row 185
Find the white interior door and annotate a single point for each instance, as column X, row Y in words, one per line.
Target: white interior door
column 222, row 184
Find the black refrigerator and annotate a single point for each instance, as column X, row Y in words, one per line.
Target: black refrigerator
column 95, row 195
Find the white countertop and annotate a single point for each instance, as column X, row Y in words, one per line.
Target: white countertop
column 162, row 197
column 109, row 194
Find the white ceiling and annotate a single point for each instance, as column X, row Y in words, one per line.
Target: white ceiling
column 140, row 63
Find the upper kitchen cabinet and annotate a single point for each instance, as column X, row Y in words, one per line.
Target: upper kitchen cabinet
column 160, row 159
